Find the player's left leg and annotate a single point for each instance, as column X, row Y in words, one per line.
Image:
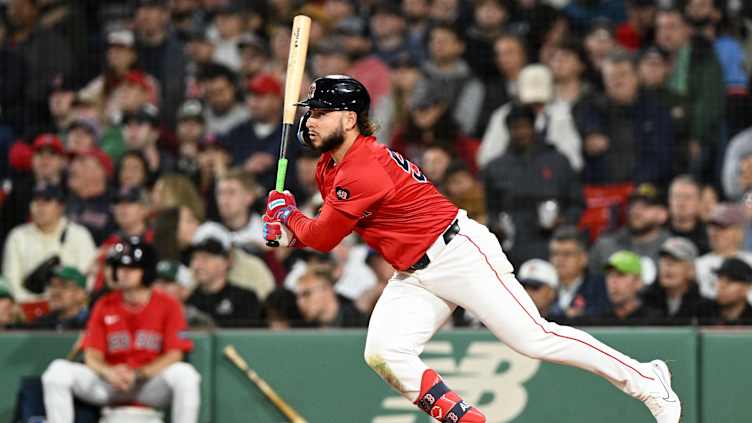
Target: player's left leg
column 404, row 319
column 180, row 384
column 474, row 273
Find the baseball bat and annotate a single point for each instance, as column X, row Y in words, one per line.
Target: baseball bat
column 232, row 354
column 301, row 28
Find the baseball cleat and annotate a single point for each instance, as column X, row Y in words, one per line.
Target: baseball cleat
column 661, row 399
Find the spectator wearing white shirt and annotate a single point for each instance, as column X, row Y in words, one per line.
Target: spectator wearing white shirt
column 48, row 234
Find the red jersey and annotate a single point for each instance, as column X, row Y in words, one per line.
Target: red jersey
column 136, row 336
column 400, row 213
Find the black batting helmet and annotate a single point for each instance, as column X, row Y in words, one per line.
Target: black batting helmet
column 333, row 92
column 133, row 252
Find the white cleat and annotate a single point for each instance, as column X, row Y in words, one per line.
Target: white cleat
column 662, row 400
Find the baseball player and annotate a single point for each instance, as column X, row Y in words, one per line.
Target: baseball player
column 133, row 347
column 443, row 259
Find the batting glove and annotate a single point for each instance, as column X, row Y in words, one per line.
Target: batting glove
column 280, row 205
column 276, row 234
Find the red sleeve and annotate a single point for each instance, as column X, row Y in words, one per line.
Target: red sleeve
column 324, row 232
column 95, row 335
column 175, row 337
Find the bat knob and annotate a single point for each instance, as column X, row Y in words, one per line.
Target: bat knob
column 272, row 244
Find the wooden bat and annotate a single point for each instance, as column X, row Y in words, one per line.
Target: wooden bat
column 301, row 29
column 232, row 354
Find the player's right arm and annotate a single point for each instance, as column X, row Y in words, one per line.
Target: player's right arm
column 120, row 377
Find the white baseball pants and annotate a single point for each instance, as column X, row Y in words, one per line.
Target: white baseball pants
column 63, row 379
column 473, row 272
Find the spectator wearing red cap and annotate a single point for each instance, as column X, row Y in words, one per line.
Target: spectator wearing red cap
column 89, row 201
column 254, row 144
column 47, row 162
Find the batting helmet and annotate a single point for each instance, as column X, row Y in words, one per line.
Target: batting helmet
column 133, row 252
column 333, row 92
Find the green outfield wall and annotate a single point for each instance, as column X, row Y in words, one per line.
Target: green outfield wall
column 322, row 375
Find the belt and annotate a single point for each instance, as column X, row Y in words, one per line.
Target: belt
column 447, row 236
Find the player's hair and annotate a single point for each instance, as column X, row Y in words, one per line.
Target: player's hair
column 570, row 233
column 365, row 125
column 245, row 178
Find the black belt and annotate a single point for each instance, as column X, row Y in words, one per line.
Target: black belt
column 448, row 235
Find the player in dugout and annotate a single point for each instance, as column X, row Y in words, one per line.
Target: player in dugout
column 133, row 347
column 443, row 259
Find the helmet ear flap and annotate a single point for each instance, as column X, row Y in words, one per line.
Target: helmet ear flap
column 303, row 136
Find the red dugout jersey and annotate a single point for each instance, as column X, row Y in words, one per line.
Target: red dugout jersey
column 400, row 213
column 136, row 337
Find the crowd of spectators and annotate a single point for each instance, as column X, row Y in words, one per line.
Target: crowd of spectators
column 607, row 144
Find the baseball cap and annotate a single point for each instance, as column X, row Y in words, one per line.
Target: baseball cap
column 191, row 110
column 426, row 95
column 735, row 269
column 536, row 273
column 647, row 193
column 625, row 262
column 520, row 111
column 213, row 238
column 102, row 159
column 536, row 84
column 70, row 273
column 4, row 289
column 122, row 37
column 265, row 83
column 48, row 192
column 48, row 142
column 89, row 125
column 174, row 271
column 131, row 195
column 654, row 51
column 679, row 248
column 727, row 214
column 148, row 113
column 61, row 83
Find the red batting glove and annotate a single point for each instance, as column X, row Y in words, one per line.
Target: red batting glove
column 280, row 205
column 276, row 235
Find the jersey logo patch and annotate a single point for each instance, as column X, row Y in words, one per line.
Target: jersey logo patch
column 342, row 193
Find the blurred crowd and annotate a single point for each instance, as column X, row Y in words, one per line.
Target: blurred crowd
column 607, row 144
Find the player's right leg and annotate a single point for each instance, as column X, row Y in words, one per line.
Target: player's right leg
column 65, row 379
column 405, row 317
column 178, row 384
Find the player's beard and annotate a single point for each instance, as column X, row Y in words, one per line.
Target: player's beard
column 333, row 141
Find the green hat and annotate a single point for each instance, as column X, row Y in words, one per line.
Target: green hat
column 625, row 262
column 69, row 273
column 168, row 270
column 4, row 289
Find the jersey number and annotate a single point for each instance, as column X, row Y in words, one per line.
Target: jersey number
column 408, row 166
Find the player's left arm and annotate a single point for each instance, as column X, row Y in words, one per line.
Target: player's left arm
column 324, row 232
